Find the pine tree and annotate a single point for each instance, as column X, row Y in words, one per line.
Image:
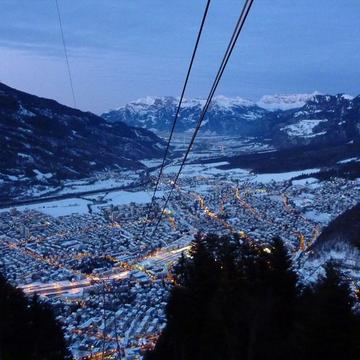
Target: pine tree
column 277, row 303
column 239, row 300
column 188, row 310
column 327, row 326
column 28, row 329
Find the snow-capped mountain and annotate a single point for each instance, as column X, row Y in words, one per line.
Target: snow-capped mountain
column 43, row 141
column 289, row 120
column 225, row 115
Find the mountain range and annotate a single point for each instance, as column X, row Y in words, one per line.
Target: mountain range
column 43, row 141
column 287, row 120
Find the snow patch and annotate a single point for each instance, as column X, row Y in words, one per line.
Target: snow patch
column 57, row 208
column 347, row 97
column 25, row 156
column 42, row 176
column 304, row 128
column 306, row 181
column 24, row 112
column 345, row 161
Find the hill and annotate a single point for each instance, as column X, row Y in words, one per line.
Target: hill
column 43, row 142
column 343, row 231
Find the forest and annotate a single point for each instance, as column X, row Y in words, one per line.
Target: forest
column 236, row 299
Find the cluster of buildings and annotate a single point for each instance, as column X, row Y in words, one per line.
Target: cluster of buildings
column 107, row 275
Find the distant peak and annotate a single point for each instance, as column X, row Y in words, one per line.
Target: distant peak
column 285, row 101
column 147, row 100
column 225, row 101
column 219, row 100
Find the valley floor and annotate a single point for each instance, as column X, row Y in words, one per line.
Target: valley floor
column 107, row 276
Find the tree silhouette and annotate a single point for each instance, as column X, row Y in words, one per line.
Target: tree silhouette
column 327, row 327
column 236, row 299
column 28, row 329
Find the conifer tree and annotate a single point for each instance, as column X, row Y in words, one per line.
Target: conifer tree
column 28, row 329
column 236, row 299
column 327, row 326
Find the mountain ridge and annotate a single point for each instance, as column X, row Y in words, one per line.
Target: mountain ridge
column 292, row 120
column 43, row 141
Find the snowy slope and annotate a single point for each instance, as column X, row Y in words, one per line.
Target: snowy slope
column 44, row 142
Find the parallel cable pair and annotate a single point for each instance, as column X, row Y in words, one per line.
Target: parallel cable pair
column 178, row 110
column 239, row 25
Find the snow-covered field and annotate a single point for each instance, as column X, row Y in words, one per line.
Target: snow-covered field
column 98, row 185
column 95, row 202
column 266, row 178
column 307, row 181
column 80, row 206
column 205, row 170
column 58, row 207
column 213, row 169
column 126, row 197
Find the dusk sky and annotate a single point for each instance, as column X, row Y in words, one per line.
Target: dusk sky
column 121, row 50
